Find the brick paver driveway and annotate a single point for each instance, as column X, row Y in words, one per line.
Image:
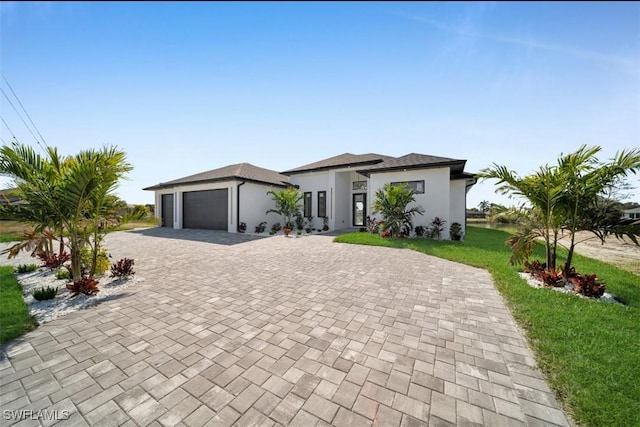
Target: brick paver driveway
column 232, row 330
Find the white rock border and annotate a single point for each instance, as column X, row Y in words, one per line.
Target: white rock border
column 566, row 289
column 48, row 310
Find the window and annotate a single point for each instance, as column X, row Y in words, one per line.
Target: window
column 307, row 204
column 416, row 186
column 322, row 204
column 359, row 185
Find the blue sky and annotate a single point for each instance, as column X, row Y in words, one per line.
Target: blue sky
column 188, row 87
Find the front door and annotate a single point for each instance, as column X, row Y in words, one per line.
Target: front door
column 359, row 209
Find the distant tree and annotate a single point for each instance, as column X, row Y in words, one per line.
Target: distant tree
column 484, row 206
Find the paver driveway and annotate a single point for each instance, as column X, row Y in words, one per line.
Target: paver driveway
column 229, row 330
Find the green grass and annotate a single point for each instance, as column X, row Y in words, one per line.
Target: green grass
column 14, row 316
column 589, row 350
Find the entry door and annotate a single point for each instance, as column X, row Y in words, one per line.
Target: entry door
column 359, row 209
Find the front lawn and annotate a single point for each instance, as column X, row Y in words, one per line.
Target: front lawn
column 14, row 316
column 589, row 350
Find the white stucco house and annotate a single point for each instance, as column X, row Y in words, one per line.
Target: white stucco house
column 340, row 188
column 631, row 213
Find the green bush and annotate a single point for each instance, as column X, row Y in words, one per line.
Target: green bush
column 26, row 268
column 102, row 264
column 61, row 274
column 45, row 293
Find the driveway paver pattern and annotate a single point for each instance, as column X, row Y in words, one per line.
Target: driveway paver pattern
column 234, row 330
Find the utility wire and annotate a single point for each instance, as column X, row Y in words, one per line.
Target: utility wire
column 10, row 131
column 24, row 109
column 23, row 121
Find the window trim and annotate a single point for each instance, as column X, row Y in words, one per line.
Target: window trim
column 413, row 185
column 324, row 204
column 308, row 204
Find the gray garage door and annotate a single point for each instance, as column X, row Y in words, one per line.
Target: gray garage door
column 167, row 210
column 205, row 209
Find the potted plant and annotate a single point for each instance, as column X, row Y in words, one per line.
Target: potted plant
column 261, row 227
column 287, row 204
column 325, row 223
column 455, row 231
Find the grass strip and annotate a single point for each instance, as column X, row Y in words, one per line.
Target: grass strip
column 14, row 316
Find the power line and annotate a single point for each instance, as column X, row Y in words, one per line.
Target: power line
column 18, row 113
column 10, row 131
column 24, row 109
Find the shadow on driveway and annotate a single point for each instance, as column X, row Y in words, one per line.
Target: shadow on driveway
column 207, row 236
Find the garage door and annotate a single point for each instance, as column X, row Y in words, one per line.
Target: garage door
column 206, row 209
column 167, row 210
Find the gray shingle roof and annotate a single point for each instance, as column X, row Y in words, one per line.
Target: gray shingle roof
column 342, row 160
column 415, row 160
column 244, row 171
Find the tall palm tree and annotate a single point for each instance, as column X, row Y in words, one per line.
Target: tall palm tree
column 392, row 202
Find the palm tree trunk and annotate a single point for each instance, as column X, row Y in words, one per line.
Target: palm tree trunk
column 567, row 265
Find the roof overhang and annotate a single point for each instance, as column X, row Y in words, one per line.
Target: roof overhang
column 164, row 186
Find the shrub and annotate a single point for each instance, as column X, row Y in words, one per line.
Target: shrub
column 276, row 227
column 55, row 261
column 386, row 233
column 261, row 227
column 45, row 293
column 420, row 230
column 373, row 225
column 123, row 268
column 102, row 264
column 62, row 274
column 587, row 285
column 437, row 227
column 85, row 285
column 242, row 227
column 26, row 268
column 325, row 223
column 455, row 231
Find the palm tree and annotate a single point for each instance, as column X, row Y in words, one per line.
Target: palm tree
column 66, row 194
column 392, row 202
column 565, row 197
column 287, row 204
column 484, row 206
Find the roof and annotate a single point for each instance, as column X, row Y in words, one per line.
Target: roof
column 243, row 171
column 342, row 160
column 634, row 210
column 416, row 161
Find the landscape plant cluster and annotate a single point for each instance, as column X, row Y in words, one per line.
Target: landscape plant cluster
column 288, row 205
column 68, row 200
column 576, row 194
column 392, row 202
column 587, row 285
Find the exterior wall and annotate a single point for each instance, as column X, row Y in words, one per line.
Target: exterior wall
column 338, row 185
column 314, row 182
column 436, row 197
column 458, row 203
column 177, row 200
column 254, row 203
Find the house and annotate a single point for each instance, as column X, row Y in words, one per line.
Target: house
column 10, row 196
column 631, row 213
column 340, row 188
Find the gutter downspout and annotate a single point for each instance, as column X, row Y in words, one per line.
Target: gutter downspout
column 238, row 205
column 467, row 186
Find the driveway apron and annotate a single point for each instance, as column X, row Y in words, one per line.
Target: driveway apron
column 238, row 330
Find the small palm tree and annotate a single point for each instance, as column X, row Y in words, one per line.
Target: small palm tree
column 392, row 203
column 287, row 204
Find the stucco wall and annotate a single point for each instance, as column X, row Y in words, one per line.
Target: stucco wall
column 457, row 203
column 254, row 203
column 314, row 182
column 435, row 200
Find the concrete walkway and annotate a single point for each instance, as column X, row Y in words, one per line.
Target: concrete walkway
column 235, row 330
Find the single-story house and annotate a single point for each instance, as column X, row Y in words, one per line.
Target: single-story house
column 631, row 213
column 340, row 188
